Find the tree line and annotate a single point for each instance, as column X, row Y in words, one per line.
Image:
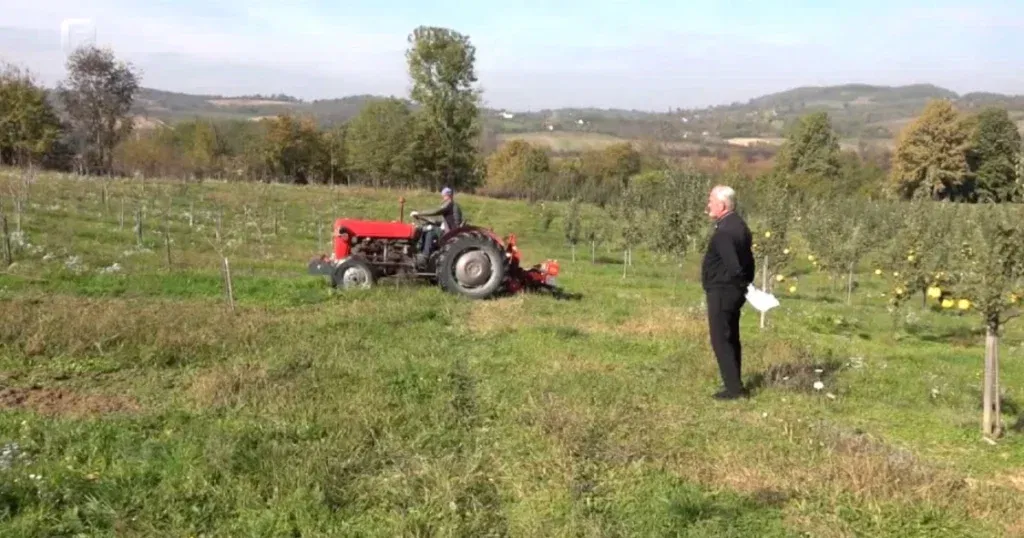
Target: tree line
column 86, row 125
column 436, row 138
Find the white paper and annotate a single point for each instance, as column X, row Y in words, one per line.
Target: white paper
column 761, row 301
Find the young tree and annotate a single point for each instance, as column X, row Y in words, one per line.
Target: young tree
column 771, row 238
column 334, row 143
column 930, row 158
column 627, row 218
column 1020, row 173
column 841, row 238
column 810, row 156
column 568, row 179
column 519, row 169
column 608, row 172
column 989, row 269
column 97, row 97
column 678, row 222
column 29, row 127
column 378, row 143
column 571, row 225
column 293, row 149
column 152, row 154
column 204, row 149
column 994, row 156
column 919, row 253
column 441, row 64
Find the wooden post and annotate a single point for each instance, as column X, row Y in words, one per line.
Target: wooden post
column 227, row 283
column 167, row 242
column 991, row 343
column 122, row 213
column 997, row 428
column 138, row 225
column 849, row 285
column 8, row 255
column 764, row 285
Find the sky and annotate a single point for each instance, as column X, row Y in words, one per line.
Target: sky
column 645, row 55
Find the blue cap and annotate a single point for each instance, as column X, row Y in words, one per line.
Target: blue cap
column 447, row 191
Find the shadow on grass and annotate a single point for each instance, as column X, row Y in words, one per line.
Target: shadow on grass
column 726, row 512
column 1006, row 404
column 961, row 336
column 558, row 294
column 799, row 376
column 824, row 297
column 606, row 260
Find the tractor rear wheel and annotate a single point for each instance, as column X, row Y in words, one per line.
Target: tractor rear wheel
column 353, row 273
column 472, row 265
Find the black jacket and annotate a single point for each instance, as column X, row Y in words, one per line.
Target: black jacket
column 729, row 260
column 450, row 211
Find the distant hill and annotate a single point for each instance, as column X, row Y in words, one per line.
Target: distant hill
column 860, row 112
column 173, row 106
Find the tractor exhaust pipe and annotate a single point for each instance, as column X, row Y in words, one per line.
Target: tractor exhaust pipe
column 401, row 209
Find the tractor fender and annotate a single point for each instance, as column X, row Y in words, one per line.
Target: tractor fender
column 465, row 229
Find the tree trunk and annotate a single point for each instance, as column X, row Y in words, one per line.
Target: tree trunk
column 764, row 286
column 990, row 391
column 996, row 399
column 5, row 236
column 849, row 285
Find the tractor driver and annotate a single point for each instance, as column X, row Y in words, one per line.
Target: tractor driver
column 451, row 214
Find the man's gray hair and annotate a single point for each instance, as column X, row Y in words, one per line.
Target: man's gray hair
column 725, row 194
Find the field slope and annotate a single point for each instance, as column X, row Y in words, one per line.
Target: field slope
column 136, row 402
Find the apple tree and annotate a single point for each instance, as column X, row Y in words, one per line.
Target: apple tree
column 988, row 274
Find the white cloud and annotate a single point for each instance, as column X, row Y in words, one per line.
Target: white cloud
column 269, row 34
column 969, row 17
column 583, row 53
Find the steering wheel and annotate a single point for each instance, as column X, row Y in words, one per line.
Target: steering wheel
column 423, row 219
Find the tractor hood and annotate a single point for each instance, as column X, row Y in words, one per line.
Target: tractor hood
column 377, row 229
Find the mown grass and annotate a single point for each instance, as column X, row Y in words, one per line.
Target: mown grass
column 137, row 404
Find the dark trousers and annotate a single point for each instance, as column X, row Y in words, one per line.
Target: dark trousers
column 724, row 308
column 427, row 241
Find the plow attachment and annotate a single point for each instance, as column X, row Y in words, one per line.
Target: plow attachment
column 321, row 266
column 540, row 278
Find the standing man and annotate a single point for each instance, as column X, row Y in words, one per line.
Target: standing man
column 727, row 269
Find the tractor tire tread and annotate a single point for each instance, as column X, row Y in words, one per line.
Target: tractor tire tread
column 462, row 242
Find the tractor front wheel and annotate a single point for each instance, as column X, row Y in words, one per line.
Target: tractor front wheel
column 353, row 273
column 471, row 265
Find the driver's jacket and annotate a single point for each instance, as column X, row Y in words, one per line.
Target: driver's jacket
column 450, row 212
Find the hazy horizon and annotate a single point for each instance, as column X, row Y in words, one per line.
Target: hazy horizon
column 612, row 54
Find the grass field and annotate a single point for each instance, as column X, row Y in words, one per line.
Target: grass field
column 137, row 403
column 565, row 141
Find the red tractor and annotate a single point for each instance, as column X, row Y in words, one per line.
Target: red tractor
column 470, row 261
